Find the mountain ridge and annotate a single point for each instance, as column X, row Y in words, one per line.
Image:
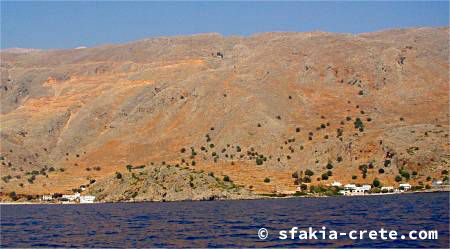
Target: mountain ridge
column 142, row 102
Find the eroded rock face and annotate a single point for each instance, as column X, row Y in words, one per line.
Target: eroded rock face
column 252, row 108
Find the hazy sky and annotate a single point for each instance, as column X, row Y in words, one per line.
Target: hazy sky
column 73, row 24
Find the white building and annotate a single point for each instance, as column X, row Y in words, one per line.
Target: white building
column 437, row 183
column 336, row 184
column 350, row 187
column 71, row 197
column 405, row 186
column 87, row 199
column 344, row 192
column 47, row 197
column 366, row 187
column 358, row 191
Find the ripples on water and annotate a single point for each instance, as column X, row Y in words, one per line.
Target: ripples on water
column 223, row 223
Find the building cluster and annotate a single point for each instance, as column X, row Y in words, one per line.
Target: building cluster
column 352, row 189
column 67, row 199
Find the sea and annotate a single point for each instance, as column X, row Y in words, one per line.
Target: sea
column 233, row 223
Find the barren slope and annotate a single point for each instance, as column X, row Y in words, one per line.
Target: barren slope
column 290, row 99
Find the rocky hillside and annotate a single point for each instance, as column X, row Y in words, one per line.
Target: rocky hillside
column 261, row 109
column 166, row 183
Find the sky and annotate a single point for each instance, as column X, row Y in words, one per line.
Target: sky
column 69, row 24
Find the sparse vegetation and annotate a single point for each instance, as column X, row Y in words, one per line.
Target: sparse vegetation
column 129, row 167
column 376, row 183
column 329, row 165
column 359, row 124
column 309, row 172
column 13, row 196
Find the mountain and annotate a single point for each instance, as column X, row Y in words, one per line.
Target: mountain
column 271, row 105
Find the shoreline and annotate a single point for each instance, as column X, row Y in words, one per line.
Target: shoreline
column 258, row 197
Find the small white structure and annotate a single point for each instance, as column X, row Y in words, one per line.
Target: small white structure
column 336, row 184
column 47, row 197
column 405, row 186
column 87, row 199
column 350, row 187
column 344, row 192
column 71, row 197
column 437, row 183
column 358, row 191
column 366, row 187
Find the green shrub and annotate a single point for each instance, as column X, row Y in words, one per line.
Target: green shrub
column 303, row 187
column 329, row 165
column 226, row 179
column 404, row 174
column 381, row 171
column 266, row 180
column 118, row 175
column 398, row 178
column 295, row 174
column 363, row 168
column 354, row 177
column 324, row 176
column 13, row 196
column 309, row 172
column 129, row 167
column 359, row 124
column 376, row 183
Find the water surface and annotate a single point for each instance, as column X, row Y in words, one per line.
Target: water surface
column 224, row 223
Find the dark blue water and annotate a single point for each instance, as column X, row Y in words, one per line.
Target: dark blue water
column 224, row 223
